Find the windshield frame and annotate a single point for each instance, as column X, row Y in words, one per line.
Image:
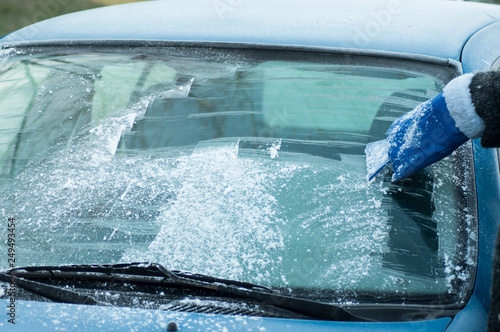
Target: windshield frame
column 285, row 51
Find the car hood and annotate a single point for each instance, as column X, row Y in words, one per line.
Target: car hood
column 55, row 316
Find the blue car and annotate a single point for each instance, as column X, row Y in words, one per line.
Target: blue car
column 199, row 166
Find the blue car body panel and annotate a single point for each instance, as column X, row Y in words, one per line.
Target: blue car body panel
column 70, row 317
column 482, row 49
column 473, row 318
column 442, row 29
column 488, row 192
column 399, row 26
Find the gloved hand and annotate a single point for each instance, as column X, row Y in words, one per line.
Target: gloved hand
column 468, row 108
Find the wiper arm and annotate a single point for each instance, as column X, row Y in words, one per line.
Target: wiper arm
column 53, row 293
column 107, row 272
column 156, row 273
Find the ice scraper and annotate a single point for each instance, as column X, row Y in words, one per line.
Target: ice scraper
column 467, row 108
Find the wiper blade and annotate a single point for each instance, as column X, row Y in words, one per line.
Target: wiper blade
column 156, row 273
column 113, row 271
column 53, row 293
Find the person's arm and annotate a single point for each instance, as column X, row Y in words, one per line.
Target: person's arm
column 468, row 108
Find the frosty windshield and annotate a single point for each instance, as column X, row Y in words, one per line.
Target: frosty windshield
column 245, row 165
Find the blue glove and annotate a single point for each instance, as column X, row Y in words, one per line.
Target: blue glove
column 437, row 127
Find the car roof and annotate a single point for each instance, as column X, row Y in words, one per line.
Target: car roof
column 435, row 28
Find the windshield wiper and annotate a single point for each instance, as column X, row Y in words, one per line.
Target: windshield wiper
column 153, row 273
column 53, row 293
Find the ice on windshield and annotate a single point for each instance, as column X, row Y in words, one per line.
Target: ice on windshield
column 245, row 170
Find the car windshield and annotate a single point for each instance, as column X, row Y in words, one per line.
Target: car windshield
column 239, row 164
